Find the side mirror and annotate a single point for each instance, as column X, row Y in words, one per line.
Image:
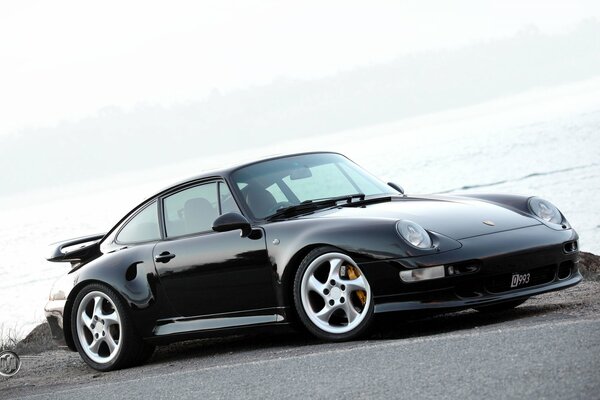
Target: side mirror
column 396, row 187
column 232, row 221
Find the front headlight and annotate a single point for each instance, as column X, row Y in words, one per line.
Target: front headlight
column 414, row 234
column 545, row 210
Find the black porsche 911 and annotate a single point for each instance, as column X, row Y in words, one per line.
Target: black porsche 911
column 309, row 238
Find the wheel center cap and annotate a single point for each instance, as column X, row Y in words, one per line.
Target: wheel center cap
column 335, row 293
column 99, row 327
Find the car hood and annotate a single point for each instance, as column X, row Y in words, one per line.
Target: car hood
column 456, row 217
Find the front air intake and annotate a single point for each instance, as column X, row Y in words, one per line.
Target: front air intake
column 564, row 269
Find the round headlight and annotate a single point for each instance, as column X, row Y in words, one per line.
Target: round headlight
column 414, row 234
column 545, row 210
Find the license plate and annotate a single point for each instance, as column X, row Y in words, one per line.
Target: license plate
column 520, row 280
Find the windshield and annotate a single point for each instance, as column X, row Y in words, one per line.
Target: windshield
column 268, row 186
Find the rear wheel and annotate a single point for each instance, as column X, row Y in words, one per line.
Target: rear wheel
column 507, row 305
column 332, row 295
column 103, row 332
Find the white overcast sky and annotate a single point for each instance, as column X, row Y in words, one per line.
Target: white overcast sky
column 64, row 60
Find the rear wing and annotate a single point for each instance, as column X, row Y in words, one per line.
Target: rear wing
column 75, row 250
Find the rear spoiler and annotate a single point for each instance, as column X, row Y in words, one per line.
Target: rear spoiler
column 89, row 248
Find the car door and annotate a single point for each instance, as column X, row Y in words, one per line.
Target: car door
column 206, row 272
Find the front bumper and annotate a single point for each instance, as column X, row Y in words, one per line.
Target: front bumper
column 486, row 263
column 449, row 299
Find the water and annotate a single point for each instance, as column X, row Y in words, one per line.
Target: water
column 543, row 143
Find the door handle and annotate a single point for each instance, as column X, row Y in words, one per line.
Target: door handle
column 164, row 257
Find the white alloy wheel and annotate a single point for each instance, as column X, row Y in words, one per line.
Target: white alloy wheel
column 99, row 329
column 335, row 294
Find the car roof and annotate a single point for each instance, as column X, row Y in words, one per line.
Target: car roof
column 218, row 173
column 225, row 172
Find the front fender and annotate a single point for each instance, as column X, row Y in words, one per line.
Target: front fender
column 365, row 240
column 518, row 204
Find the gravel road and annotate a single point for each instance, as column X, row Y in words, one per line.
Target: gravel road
column 547, row 348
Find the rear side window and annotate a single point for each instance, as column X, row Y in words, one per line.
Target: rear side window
column 142, row 228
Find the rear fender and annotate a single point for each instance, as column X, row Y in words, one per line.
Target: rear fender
column 133, row 276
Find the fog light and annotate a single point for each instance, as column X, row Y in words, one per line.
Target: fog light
column 422, row 274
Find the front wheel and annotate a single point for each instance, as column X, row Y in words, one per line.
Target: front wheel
column 103, row 332
column 332, row 296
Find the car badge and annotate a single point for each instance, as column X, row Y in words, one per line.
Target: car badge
column 489, row 223
column 10, row 363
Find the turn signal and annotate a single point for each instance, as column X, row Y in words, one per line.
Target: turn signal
column 423, row 274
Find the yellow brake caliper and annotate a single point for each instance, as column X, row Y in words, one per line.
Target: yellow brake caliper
column 352, row 273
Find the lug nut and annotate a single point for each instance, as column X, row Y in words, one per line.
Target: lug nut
column 325, row 292
column 342, row 300
column 96, row 336
column 331, row 302
column 332, row 282
column 343, row 287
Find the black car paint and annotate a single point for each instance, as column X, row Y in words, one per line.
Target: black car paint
column 208, row 286
column 216, row 273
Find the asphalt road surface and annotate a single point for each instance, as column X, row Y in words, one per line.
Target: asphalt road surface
column 547, row 348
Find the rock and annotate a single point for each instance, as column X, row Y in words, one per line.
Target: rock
column 589, row 266
column 38, row 340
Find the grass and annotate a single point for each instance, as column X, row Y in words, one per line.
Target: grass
column 9, row 337
column 37, row 341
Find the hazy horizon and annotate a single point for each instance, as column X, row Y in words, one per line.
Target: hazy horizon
column 120, row 138
column 65, row 60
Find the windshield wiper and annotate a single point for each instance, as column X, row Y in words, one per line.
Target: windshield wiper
column 310, row 205
column 366, row 202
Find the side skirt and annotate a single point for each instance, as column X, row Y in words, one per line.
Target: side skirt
column 180, row 328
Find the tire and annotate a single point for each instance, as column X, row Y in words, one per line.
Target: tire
column 103, row 331
column 505, row 306
column 332, row 296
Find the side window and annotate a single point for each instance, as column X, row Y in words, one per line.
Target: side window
column 228, row 203
column 142, row 228
column 191, row 210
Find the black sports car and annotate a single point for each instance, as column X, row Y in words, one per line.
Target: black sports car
column 309, row 238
